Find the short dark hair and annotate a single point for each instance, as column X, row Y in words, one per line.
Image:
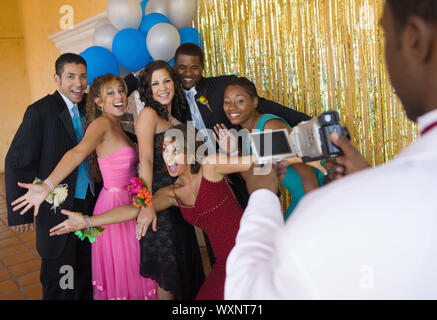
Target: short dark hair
column 189, row 49
column 67, row 58
column 403, row 9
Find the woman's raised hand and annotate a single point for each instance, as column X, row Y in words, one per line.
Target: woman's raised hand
column 76, row 221
column 226, row 140
column 35, row 195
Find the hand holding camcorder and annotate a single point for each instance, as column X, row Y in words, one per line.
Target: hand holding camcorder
column 309, row 140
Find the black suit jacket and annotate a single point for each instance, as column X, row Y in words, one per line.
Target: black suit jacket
column 214, row 89
column 42, row 139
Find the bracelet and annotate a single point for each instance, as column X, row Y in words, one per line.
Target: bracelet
column 88, row 221
column 47, row 182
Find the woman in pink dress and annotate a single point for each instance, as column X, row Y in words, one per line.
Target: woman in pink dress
column 116, row 252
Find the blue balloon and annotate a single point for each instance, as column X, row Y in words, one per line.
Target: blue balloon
column 99, row 61
column 130, row 49
column 143, row 6
column 150, row 20
column 171, row 62
column 190, row 35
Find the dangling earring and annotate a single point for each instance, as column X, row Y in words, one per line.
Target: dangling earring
column 100, row 108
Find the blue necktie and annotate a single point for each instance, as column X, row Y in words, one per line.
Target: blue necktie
column 197, row 119
column 83, row 177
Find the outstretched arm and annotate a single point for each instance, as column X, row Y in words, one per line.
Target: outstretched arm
column 162, row 199
column 215, row 166
column 76, row 221
column 37, row 193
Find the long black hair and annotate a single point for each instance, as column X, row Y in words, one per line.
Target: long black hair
column 179, row 103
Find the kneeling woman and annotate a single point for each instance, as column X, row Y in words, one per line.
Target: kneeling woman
column 203, row 195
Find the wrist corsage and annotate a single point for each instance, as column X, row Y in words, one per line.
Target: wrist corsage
column 89, row 232
column 139, row 194
column 57, row 196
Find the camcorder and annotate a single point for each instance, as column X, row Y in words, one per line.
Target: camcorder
column 309, row 140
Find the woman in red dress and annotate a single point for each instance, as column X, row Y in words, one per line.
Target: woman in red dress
column 203, row 195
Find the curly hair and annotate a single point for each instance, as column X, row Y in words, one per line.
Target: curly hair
column 179, row 103
column 97, row 90
column 188, row 147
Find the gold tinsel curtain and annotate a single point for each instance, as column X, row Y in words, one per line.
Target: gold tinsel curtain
column 312, row 55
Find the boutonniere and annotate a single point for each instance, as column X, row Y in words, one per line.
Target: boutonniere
column 202, row 100
column 57, row 196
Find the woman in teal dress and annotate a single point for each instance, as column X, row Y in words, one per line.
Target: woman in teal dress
column 240, row 106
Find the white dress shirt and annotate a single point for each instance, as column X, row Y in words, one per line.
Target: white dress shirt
column 370, row 235
column 197, row 119
column 69, row 104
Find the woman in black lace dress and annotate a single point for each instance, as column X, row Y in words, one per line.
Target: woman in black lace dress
column 169, row 253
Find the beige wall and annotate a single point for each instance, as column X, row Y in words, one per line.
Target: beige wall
column 27, row 56
column 42, row 19
column 14, row 81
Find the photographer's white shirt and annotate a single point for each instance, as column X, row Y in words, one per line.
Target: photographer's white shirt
column 371, row 235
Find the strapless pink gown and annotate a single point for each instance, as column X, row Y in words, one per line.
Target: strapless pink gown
column 116, row 252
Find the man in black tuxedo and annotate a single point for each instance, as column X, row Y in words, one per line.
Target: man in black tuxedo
column 44, row 136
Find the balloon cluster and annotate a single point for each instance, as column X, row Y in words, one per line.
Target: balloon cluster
column 139, row 32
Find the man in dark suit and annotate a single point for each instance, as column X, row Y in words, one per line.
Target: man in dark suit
column 48, row 131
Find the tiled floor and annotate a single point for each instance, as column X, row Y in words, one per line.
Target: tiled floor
column 20, row 263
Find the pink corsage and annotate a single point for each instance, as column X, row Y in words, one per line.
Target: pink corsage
column 139, row 194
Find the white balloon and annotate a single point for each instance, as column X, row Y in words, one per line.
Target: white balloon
column 181, row 13
column 102, row 23
column 124, row 13
column 162, row 41
column 159, row 6
column 104, row 36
